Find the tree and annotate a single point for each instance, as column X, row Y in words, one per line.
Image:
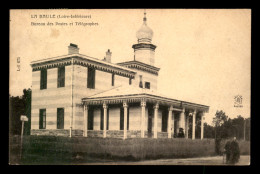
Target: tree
column 247, row 129
column 219, row 119
column 20, row 105
column 226, row 129
column 27, row 99
column 209, row 131
column 238, row 127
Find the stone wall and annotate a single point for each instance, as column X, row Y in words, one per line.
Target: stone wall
column 162, row 134
column 146, row 134
column 115, row 133
column 134, row 134
column 95, row 133
column 57, row 132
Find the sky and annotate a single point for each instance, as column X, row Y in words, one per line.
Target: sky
column 204, row 54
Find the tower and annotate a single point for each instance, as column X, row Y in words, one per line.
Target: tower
column 144, row 50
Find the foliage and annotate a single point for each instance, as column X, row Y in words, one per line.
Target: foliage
column 209, row 131
column 225, row 127
column 220, row 118
column 20, row 105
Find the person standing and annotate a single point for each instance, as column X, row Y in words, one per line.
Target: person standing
column 235, row 151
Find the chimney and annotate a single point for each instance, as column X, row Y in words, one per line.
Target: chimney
column 73, row 49
column 108, row 56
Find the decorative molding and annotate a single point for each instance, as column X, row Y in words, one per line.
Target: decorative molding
column 140, row 66
column 170, row 108
column 178, row 105
column 51, row 64
column 143, row 45
column 143, row 103
column 105, row 105
column 83, row 62
column 125, row 104
column 156, row 106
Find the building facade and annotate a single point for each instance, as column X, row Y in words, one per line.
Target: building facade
column 78, row 95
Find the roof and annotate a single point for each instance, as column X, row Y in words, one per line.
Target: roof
column 82, row 60
column 129, row 92
column 81, row 56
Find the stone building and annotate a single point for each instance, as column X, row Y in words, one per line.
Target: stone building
column 78, row 95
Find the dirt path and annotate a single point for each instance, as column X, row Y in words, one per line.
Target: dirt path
column 216, row 160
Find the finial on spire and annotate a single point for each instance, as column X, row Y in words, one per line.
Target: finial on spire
column 144, row 16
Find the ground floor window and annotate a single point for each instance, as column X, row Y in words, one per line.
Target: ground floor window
column 164, row 121
column 42, row 123
column 90, row 119
column 102, row 119
column 122, row 118
column 60, row 118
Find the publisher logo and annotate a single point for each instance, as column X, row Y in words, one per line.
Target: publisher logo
column 238, row 101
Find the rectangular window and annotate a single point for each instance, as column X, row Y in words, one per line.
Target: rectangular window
column 122, row 119
column 147, row 85
column 107, row 118
column 141, row 81
column 91, row 78
column 43, row 79
column 60, row 118
column 61, row 76
column 90, row 118
column 130, row 81
column 164, row 121
column 42, row 124
column 113, row 79
column 128, row 118
column 102, row 119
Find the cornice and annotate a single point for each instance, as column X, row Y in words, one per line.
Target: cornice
column 144, row 45
column 140, row 66
column 177, row 104
column 77, row 60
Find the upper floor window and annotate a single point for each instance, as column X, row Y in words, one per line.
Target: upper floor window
column 60, row 118
column 141, row 81
column 147, row 85
column 61, row 76
column 42, row 124
column 113, row 79
column 130, row 81
column 91, row 78
column 43, row 80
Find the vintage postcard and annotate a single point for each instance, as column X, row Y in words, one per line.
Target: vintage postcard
column 130, row 86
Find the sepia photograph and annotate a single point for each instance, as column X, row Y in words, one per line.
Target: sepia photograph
column 130, row 87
